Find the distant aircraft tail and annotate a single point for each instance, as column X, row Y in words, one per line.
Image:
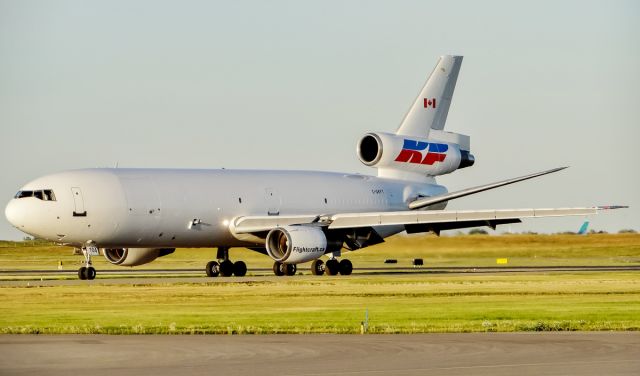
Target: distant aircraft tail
column 583, row 228
column 430, row 109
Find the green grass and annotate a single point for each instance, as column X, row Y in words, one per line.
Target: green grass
column 475, row 250
column 307, row 304
column 405, row 303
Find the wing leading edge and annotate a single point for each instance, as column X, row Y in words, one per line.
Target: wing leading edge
column 414, row 221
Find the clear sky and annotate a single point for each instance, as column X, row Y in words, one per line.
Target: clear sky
column 294, row 84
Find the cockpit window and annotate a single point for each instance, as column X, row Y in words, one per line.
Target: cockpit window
column 43, row 194
column 48, row 195
column 23, row 194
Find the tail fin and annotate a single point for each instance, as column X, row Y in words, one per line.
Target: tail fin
column 430, row 109
column 583, row 228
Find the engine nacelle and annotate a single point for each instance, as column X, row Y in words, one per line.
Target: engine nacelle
column 134, row 256
column 296, row 244
column 434, row 156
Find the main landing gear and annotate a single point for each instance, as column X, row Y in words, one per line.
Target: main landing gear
column 87, row 272
column 224, row 266
column 331, row 267
column 318, row 267
column 281, row 269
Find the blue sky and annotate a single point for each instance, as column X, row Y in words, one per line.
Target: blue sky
column 294, row 84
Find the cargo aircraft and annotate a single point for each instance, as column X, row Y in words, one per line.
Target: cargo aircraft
column 133, row 216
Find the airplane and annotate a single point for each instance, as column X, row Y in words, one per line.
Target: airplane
column 134, row 216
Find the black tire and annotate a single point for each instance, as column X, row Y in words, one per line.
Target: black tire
column 82, row 273
column 290, row 269
column 331, row 267
column 317, row 267
column 346, row 267
column 226, row 268
column 239, row 268
column 213, row 269
column 91, row 273
column 278, row 269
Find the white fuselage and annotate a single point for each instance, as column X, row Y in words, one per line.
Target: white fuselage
column 158, row 207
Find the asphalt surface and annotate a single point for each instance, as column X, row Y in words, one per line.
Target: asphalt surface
column 387, row 269
column 154, row 276
column 495, row 354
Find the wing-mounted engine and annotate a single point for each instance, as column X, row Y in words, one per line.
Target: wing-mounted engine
column 134, row 256
column 442, row 153
column 298, row 244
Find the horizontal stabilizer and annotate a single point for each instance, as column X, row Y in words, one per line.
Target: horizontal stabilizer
column 427, row 201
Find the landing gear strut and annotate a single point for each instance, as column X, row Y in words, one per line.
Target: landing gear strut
column 225, row 267
column 87, row 272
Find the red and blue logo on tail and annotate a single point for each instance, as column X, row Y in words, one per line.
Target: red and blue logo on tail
column 412, row 152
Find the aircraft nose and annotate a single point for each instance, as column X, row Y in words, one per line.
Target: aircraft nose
column 12, row 213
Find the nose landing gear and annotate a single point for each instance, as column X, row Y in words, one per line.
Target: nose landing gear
column 87, row 272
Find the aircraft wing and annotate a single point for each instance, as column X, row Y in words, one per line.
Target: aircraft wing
column 412, row 220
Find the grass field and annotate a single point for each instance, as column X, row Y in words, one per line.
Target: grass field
column 307, row 304
column 406, row 303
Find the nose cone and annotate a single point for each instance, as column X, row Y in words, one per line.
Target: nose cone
column 12, row 213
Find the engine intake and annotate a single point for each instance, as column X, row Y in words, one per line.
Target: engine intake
column 370, row 149
column 296, row 244
column 134, row 256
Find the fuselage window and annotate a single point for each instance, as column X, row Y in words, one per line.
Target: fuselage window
column 38, row 195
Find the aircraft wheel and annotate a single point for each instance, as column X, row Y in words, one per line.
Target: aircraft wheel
column 278, row 269
column 331, row 267
column 239, row 268
column 91, row 273
column 82, row 273
column 290, row 269
column 317, row 267
column 213, row 269
column 345, row 267
column 226, row 268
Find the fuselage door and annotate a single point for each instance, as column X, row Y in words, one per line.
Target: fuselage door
column 273, row 201
column 78, row 203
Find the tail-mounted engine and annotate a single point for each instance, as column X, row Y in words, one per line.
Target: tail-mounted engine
column 442, row 153
column 134, row 256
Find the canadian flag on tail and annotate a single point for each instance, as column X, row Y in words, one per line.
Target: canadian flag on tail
column 429, row 102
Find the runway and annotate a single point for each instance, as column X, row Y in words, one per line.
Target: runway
column 566, row 353
column 387, row 269
column 33, row 278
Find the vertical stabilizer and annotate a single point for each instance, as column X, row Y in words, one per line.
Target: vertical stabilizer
column 430, row 109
